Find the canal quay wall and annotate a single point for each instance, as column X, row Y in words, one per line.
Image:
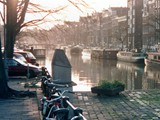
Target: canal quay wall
column 95, row 53
column 129, row 105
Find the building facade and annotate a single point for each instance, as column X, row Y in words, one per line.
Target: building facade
column 135, row 24
column 151, row 24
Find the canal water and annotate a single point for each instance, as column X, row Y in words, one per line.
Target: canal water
column 87, row 72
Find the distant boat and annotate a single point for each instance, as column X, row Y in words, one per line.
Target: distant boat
column 153, row 59
column 104, row 53
column 86, row 52
column 76, row 50
column 129, row 56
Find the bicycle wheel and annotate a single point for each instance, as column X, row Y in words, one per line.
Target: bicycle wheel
column 61, row 114
column 77, row 118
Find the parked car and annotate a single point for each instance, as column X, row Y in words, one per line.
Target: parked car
column 20, row 57
column 17, row 67
column 28, row 56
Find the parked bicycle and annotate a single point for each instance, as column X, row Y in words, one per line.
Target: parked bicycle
column 49, row 87
column 78, row 112
column 53, row 108
column 51, row 91
column 55, row 105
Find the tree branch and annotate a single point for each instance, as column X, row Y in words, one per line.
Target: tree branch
column 2, row 17
column 22, row 14
column 34, row 22
column 2, row 1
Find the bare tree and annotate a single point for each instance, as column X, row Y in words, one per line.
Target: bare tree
column 120, row 34
column 13, row 23
column 15, row 13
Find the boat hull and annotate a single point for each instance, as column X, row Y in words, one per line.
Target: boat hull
column 131, row 60
column 76, row 51
column 152, row 59
column 131, row 57
column 152, row 63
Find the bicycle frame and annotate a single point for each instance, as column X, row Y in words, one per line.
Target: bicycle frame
column 53, row 108
column 78, row 112
column 54, row 104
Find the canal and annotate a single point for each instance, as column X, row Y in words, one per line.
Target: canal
column 87, row 72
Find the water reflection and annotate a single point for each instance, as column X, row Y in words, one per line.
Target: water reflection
column 131, row 74
column 152, row 77
column 87, row 72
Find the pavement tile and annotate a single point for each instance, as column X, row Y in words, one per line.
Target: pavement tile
column 129, row 105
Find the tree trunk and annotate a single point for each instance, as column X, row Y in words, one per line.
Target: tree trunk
column 11, row 27
column 3, row 78
column 10, row 38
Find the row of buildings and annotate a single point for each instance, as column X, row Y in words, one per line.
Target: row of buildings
column 136, row 26
column 143, row 23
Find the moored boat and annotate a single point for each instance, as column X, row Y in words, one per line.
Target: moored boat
column 129, row 56
column 153, row 59
column 86, row 52
column 77, row 50
column 104, row 53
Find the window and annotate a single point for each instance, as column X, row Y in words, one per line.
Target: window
column 12, row 63
column 133, row 21
column 133, row 29
column 133, row 11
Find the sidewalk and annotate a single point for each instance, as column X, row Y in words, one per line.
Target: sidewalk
column 129, row 105
column 20, row 108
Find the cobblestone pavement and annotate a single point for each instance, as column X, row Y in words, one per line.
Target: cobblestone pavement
column 129, row 105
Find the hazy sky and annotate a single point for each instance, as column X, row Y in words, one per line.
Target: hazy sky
column 72, row 13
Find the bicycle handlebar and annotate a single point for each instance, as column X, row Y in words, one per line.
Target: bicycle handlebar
column 51, row 83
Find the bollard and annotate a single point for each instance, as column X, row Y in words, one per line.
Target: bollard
column 61, row 67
